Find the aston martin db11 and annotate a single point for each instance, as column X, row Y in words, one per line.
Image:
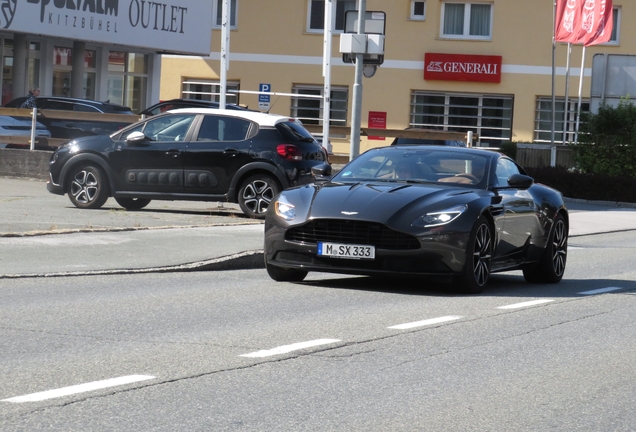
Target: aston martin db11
column 458, row 213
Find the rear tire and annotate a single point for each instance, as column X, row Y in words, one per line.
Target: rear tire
column 256, row 193
column 132, row 203
column 88, row 187
column 552, row 265
column 478, row 259
column 285, row 275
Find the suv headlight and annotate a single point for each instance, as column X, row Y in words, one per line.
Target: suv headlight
column 438, row 218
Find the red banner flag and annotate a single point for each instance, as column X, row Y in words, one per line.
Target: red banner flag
column 601, row 22
column 587, row 22
column 569, row 15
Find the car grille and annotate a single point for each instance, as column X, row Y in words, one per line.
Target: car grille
column 354, row 232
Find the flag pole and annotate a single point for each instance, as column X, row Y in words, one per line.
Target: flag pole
column 552, row 144
column 567, row 92
column 578, row 110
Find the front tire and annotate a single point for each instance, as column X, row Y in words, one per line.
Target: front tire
column 88, row 188
column 256, row 193
column 285, row 275
column 552, row 265
column 132, row 204
column 478, row 259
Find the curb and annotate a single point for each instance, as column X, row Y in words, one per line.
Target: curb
column 247, row 260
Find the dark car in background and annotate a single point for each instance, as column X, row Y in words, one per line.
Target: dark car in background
column 197, row 154
column 422, row 141
column 76, row 127
column 426, row 141
column 171, row 104
column 450, row 212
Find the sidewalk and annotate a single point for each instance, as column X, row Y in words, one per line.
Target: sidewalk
column 42, row 234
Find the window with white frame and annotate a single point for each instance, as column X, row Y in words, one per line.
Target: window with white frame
column 209, row 90
column 488, row 115
column 543, row 118
column 316, row 16
column 467, row 20
column 616, row 26
column 217, row 13
column 310, row 109
column 418, row 10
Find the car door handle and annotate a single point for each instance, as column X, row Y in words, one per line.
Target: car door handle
column 173, row 152
column 231, row 152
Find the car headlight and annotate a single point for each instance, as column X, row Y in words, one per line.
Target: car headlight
column 284, row 209
column 440, row 217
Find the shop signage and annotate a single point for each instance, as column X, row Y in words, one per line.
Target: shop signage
column 462, row 67
column 181, row 26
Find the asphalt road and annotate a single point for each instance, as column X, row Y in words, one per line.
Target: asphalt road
column 233, row 350
column 218, row 351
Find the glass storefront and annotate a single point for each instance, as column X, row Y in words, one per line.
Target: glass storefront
column 7, row 69
column 62, row 67
column 128, row 79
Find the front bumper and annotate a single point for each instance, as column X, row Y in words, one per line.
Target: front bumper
column 437, row 256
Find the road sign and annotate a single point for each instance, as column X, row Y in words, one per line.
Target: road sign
column 263, row 99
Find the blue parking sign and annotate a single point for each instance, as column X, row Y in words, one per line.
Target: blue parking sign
column 264, row 88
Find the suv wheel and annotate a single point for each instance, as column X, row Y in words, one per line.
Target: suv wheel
column 88, row 188
column 132, row 203
column 256, row 193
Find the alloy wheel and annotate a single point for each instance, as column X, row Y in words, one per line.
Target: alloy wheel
column 257, row 195
column 85, row 186
column 559, row 247
column 482, row 254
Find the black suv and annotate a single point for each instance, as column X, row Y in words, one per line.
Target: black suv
column 69, row 129
column 200, row 154
column 171, row 104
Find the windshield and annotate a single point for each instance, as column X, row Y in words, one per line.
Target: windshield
column 435, row 165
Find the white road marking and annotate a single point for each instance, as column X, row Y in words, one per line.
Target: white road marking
column 525, row 304
column 600, row 290
column 289, row 348
column 425, row 322
column 80, row 388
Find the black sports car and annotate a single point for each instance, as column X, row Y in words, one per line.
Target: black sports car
column 461, row 213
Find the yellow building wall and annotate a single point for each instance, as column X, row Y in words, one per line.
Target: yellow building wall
column 271, row 44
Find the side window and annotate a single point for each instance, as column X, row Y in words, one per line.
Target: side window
column 85, row 108
column 505, row 168
column 217, row 128
column 57, row 105
column 169, row 127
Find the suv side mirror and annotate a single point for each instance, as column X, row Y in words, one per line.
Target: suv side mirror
column 135, row 138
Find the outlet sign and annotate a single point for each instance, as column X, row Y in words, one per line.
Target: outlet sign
column 462, row 67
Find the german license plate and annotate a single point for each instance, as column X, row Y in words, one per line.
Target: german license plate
column 350, row 251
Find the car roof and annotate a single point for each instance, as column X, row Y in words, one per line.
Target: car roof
column 263, row 119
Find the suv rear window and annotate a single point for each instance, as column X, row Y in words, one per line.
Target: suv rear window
column 294, row 131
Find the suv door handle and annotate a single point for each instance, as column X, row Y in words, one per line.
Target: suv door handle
column 231, row 152
column 173, row 152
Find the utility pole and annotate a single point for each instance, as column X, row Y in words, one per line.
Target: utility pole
column 356, row 115
column 225, row 51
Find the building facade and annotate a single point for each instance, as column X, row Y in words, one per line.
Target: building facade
column 97, row 49
column 483, row 66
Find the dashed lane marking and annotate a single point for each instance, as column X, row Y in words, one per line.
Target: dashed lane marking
column 80, row 388
column 425, row 322
column 289, row 348
column 526, row 304
column 600, row 291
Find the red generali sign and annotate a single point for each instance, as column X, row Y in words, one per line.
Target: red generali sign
column 462, row 67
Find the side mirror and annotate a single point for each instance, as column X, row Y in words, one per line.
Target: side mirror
column 321, row 172
column 520, row 181
column 135, row 138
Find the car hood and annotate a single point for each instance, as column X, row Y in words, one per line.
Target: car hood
column 378, row 201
